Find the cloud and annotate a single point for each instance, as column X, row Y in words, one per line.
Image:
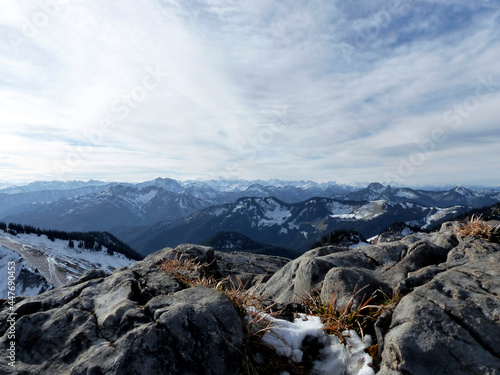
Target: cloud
column 197, row 89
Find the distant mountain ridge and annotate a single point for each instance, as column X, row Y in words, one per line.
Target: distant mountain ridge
column 103, row 207
column 234, row 241
column 51, row 185
column 447, row 198
column 13, row 202
column 115, row 206
column 153, row 214
column 294, row 226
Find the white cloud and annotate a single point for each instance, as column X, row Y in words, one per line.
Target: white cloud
column 226, row 74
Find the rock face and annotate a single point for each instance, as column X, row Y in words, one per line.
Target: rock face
column 448, row 321
column 139, row 320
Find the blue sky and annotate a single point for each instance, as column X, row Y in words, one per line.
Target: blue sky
column 322, row 90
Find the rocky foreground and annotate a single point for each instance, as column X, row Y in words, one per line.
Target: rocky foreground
column 142, row 320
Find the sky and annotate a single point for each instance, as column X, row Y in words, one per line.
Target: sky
column 346, row 91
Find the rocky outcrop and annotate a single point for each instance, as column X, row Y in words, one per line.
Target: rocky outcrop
column 139, row 320
column 448, row 321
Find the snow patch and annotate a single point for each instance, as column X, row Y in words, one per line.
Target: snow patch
column 335, row 358
column 140, row 199
column 438, row 215
column 337, row 208
column 365, row 212
column 276, row 215
column 283, row 231
column 405, row 194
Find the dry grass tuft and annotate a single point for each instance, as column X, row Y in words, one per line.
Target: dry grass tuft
column 258, row 358
column 185, row 269
column 182, row 263
column 361, row 318
column 257, row 318
column 476, row 227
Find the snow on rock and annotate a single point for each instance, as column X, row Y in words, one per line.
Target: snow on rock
column 467, row 193
column 27, row 282
column 263, row 212
column 359, row 244
column 370, row 210
column 335, row 358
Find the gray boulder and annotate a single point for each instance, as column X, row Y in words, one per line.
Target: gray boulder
column 139, row 320
column 447, row 322
column 450, row 324
column 328, row 268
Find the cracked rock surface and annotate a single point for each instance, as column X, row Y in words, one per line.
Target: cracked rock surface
column 139, row 320
column 448, row 321
column 451, row 323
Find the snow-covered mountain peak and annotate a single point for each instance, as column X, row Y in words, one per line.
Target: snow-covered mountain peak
column 256, row 189
column 168, row 184
column 262, row 211
column 465, row 192
column 376, row 187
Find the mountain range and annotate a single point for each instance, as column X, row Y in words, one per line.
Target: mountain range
column 295, row 226
column 446, row 198
column 164, row 212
